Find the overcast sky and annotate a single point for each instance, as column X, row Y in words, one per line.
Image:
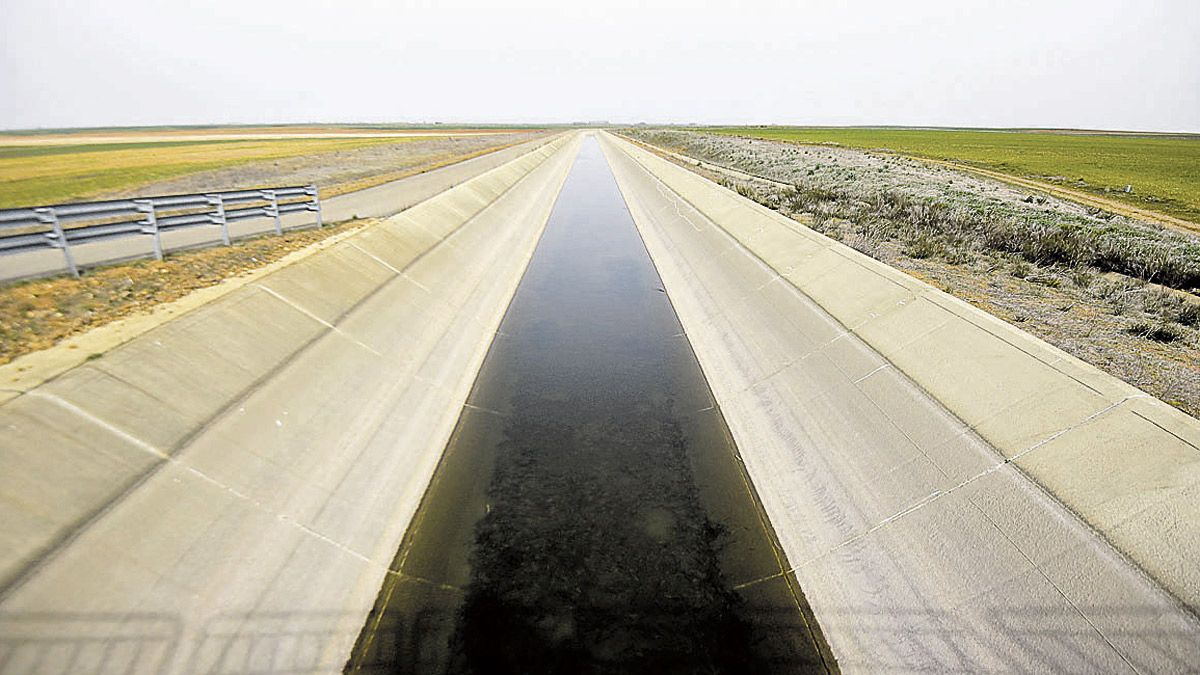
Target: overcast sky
column 1108, row 64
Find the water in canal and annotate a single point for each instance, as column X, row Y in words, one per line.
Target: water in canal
column 590, row 514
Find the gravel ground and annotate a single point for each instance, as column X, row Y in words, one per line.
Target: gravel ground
column 338, row 171
column 1145, row 333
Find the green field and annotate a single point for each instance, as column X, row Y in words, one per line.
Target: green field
column 1164, row 170
column 47, row 174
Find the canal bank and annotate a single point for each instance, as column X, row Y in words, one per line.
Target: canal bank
column 901, row 440
column 225, row 491
column 590, row 513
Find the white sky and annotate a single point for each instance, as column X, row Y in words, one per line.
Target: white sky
column 1114, row 64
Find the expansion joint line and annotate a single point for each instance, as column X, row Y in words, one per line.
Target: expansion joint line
column 938, row 494
column 669, row 195
column 314, row 317
column 201, row 475
column 793, row 361
column 393, row 578
column 440, row 585
column 1058, row 589
column 769, row 577
column 1073, row 427
column 398, row 272
column 488, row 411
column 102, row 423
column 883, row 366
column 376, row 258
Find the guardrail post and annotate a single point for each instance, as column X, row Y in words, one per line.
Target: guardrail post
column 47, row 215
column 218, row 216
column 151, row 224
column 33, row 228
column 316, row 203
column 273, row 209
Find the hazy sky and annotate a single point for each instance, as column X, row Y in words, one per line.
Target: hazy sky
column 1080, row 63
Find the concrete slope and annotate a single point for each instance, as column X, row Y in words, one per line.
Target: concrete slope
column 225, row 493
column 952, row 493
column 374, row 202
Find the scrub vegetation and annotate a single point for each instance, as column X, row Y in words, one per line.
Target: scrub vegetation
column 1162, row 171
column 1116, row 292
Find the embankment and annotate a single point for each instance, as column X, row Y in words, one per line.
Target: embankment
column 952, row 492
column 243, row 474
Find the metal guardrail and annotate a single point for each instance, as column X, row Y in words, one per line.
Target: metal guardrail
column 62, row 225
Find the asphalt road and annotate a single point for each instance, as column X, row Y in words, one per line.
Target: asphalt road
column 378, row 201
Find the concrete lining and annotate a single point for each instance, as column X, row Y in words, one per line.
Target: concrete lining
column 915, row 454
column 243, row 474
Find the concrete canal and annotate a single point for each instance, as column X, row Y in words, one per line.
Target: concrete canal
column 590, row 513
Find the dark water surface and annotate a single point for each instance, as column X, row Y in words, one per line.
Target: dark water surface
column 590, row 514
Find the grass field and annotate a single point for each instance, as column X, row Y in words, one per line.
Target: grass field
column 1163, row 170
column 47, row 174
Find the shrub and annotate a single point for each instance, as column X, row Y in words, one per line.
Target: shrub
column 1159, row 332
column 1171, row 306
column 922, row 246
column 1097, row 240
column 1081, row 277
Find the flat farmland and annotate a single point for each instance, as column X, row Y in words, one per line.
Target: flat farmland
column 266, row 132
column 1163, row 170
column 46, row 168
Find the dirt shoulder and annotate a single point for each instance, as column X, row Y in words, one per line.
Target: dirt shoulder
column 987, row 242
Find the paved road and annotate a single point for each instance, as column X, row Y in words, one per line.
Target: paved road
column 379, row 201
column 918, row 546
